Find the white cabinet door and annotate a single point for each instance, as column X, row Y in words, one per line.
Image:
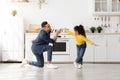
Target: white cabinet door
column 73, row 50
column 101, row 5
column 13, row 40
column 2, row 40
column 18, row 38
column 28, row 53
column 115, row 6
column 89, row 53
column 101, row 50
column 107, row 7
column 7, row 55
column 114, row 48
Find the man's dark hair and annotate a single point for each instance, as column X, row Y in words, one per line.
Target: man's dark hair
column 44, row 23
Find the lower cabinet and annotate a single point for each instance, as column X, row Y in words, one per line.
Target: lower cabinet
column 7, row 55
column 113, row 51
column 12, row 55
column 100, row 52
column 107, row 51
column 28, row 42
column 89, row 53
column 73, row 50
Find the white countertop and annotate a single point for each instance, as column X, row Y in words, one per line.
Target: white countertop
column 86, row 33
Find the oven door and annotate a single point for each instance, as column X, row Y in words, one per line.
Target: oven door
column 61, row 47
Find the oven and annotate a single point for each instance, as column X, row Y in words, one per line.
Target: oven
column 61, row 47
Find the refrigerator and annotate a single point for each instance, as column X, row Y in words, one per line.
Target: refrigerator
column 12, row 39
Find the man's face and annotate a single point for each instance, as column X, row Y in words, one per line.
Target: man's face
column 48, row 27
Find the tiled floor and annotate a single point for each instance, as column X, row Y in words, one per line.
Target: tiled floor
column 65, row 72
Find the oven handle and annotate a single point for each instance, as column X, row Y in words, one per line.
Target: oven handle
column 62, row 40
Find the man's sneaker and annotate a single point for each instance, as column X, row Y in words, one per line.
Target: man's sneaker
column 24, row 62
column 79, row 66
column 75, row 64
column 51, row 66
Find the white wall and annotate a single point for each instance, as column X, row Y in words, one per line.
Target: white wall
column 59, row 13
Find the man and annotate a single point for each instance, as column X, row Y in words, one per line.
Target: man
column 40, row 45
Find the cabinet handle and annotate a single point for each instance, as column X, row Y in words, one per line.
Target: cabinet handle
column 106, row 43
column 119, row 39
column 4, row 33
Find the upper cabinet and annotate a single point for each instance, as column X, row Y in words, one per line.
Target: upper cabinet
column 106, row 7
column 115, row 6
column 101, row 6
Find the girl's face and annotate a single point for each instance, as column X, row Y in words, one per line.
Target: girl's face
column 76, row 32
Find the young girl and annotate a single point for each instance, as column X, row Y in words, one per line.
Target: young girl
column 81, row 39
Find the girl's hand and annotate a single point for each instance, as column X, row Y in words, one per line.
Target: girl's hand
column 95, row 45
column 65, row 29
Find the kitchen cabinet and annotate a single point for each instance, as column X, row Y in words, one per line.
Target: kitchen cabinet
column 107, row 7
column 101, row 6
column 73, row 50
column 100, row 52
column 113, row 48
column 12, row 43
column 28, row 42
column 107, row 51
column 115, row 5
column 96, row 53
column 1, row 42
column 89, row 53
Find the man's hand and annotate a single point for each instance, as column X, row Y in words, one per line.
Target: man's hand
column 32, row 41
column 57, row 33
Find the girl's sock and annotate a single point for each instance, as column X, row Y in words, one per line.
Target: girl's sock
column 79, row 66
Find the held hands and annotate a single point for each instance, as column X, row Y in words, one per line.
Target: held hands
column 65, row 29
column 57, row 33
column 61, row 30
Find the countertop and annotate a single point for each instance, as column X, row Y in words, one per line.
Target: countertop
column 36, row 31
column 86, row 33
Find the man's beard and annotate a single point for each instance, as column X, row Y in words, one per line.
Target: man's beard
column 49, row 32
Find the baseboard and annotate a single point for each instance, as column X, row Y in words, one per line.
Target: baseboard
column 66, row 62
column 10, row 61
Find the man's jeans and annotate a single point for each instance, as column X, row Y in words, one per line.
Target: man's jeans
column 80, row 53
column 40, row 57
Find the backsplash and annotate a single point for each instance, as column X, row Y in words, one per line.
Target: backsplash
column 109, row 23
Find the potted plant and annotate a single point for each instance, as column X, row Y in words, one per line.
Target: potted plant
column 14, row 12
column 93, row 29
column 99, row 29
